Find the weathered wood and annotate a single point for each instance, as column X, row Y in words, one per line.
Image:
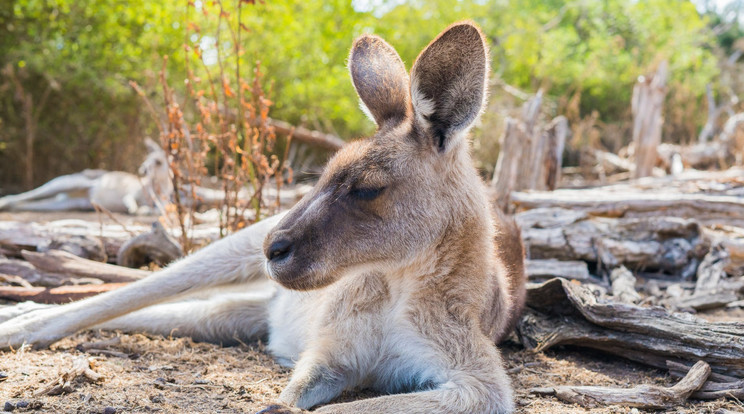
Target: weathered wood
column 562, row 313
column 18, row 236
column 623, row 286
column 705, row 208
column 155, row 246
column 647, row 107
column 705, row 301
column 512, row 144
column 62, row 294
column 60, row 262
column 710, row 272
column 717, row 385
column 81, row 366
column 663, row 244
column 530, row 155
column 716, row 154
column 550, row 268
column 31, row 274
column 643, row 396
column 307, row 136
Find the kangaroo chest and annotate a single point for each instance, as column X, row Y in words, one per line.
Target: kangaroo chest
column 363, row 326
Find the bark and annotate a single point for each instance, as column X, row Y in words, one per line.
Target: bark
column 60, row 262
column 562, row 313
column 665, row 244
column 530, row 155
column 644, row 396
column 62, row 294
column 307, row 136
column 647, row 106
column 550, row 268
column 723, row 209
column 155, row 246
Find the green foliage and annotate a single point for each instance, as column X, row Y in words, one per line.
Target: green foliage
column 585, row 54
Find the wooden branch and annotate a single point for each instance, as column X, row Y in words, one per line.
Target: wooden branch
column 659, row 243
column 307, row 136
column 644, row 396
column 31, row 274
column 550, row 268
column 155, row 246
column 60, row 262
column 562, row 313
column 81, row 366
column 717, row 386
column 599, row 202
column 706, row 301
column 62, row 294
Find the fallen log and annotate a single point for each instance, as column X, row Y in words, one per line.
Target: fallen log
column 307, row 136
column 29, row 273
column 706, row 301
column 643, row 396
column 18, row 236
column 60, row 262
column 550, row 268
column 599, row 202
column 563, row 313
column 666, row 244
column 62, row 294
column 154, row 246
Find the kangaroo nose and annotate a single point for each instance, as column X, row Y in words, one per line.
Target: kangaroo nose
column 279, row 250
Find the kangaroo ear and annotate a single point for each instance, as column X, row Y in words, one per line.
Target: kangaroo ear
column 380, row 79
column 448, row 83
column 152, row 146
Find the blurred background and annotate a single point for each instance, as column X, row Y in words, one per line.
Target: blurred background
column 67, row 102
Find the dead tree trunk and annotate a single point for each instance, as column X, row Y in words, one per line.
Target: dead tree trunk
column 530, row 155
column 647, row 105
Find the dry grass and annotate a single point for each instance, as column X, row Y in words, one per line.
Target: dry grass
column 179, row 376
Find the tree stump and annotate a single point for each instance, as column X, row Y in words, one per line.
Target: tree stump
column 647, row 105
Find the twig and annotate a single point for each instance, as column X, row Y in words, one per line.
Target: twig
column 643, row 396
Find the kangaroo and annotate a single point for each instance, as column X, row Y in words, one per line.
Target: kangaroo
column 116, row 191
column 393, row 273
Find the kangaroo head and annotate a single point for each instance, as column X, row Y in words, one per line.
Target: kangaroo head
column 156, row 170
column 384, row 200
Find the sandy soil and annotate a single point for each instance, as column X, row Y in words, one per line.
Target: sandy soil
column 176, row 375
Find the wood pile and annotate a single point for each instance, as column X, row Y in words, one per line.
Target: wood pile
column 624, row 268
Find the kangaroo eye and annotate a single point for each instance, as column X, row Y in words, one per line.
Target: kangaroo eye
column 366, row 194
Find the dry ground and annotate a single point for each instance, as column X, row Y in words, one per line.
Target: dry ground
column 176, row 375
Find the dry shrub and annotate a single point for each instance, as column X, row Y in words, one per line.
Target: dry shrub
column 221, row 129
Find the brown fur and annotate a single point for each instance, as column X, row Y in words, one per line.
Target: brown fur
column 406, row 212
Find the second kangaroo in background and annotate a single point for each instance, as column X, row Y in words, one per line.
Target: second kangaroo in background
column 392, row 274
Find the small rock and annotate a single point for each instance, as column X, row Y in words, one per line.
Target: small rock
column 22, row 404
column 158, row 399
column 109, row 410
column 8, row 406
column 3, row 376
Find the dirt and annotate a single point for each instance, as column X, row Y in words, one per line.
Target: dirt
column 176, row 375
